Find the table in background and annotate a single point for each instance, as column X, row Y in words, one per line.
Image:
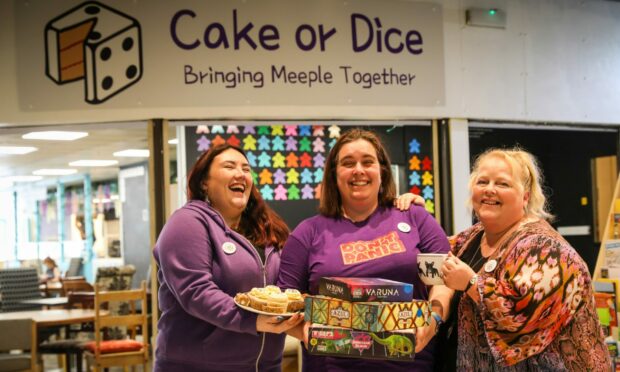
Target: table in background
column 55, row 317
column 48, row 302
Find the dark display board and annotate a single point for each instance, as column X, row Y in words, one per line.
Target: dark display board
column 287, row 159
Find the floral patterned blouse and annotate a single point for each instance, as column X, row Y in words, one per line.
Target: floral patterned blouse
column 537, row 311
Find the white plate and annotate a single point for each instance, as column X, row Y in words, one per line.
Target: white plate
column 249, row 308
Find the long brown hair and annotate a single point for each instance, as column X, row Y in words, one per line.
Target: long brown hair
column 259, row 223
column 331, row 201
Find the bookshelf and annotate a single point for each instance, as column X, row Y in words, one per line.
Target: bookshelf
column 608, row 260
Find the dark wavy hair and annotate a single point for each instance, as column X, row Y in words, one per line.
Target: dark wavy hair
column 331, row 201
column 259, row 223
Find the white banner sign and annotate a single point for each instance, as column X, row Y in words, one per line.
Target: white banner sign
column 154, row 53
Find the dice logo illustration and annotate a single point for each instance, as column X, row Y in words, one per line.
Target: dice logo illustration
column 97, row 44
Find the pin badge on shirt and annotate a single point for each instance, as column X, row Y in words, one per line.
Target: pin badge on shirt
column 490, row 266
column 402, row 226
column 229, row 248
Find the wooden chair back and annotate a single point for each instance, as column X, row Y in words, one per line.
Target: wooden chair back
column 75, row 284
column 72, row 285
column 131, row 319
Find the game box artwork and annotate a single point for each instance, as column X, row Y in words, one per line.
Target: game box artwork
column 365, row 289
column 342, row 342
column 367, row 316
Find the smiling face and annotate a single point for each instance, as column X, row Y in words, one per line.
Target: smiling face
column 497, row 194
column 358, row 176
column 228, row 184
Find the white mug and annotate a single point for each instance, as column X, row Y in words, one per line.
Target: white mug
column 429, row 267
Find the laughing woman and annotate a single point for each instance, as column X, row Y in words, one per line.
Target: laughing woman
column 225, row 240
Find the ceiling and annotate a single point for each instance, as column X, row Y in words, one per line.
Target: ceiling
column 101, row 142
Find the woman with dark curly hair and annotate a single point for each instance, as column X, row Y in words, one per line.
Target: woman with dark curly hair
column 225, row 240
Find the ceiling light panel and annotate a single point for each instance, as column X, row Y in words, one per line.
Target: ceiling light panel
column 93, row 163
column 16, row 150
column 54, row 172
column 55, row 135
column 132, row 153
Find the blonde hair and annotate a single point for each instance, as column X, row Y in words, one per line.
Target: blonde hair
column 526, row 171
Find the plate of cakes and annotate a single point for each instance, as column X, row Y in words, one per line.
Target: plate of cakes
column 271, row 300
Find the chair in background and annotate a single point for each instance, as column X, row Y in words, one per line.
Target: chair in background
column 115, row 278
column 78, row 291
column 19, row 334
column 75, row 284
column 75, row 267
column 126, row 352
column 17, row 285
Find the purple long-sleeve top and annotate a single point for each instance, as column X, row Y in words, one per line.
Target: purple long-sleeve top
column 202, row 265
column 385, row 245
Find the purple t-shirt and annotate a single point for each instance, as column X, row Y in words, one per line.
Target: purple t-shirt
column 321, row 246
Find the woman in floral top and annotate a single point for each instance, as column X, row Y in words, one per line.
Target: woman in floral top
column 524, row 296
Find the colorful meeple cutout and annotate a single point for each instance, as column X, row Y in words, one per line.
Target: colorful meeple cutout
column 307, row 192
column 293, row 192
column 277, row 144
column 266, row 192
column 203, row 143
column 251, row 158
column 280, row 192
column 249, row 143
column 279, row 177
column 420, row 169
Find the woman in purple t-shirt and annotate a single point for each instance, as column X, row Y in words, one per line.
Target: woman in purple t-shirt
column 356, row 206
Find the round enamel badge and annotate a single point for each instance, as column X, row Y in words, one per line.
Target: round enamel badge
column 402, row 226
column 229, row 248
column 490, row 266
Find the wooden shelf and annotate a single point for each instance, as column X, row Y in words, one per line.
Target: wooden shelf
column 610, row 242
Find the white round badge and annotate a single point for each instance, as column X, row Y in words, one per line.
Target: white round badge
column 402, row 226
column 229, row 248
column 490, row 266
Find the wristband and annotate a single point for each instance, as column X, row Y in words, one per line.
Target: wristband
column 438, row 320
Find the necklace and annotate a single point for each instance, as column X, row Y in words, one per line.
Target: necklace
column 479, row 260
column 471, row 262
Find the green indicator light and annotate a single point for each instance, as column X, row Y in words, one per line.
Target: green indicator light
column 492, row 11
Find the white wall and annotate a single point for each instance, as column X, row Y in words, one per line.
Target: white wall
column 556, row 61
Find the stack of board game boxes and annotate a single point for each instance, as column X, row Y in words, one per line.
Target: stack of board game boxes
column 365, row 318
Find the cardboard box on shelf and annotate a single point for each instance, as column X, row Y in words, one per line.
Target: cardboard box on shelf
column 365, row 289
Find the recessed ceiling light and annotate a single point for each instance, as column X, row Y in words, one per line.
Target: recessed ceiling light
column 16, row 150
column 54, row 172
column 174, row 141
column 132, row 153
column 93, row 163
column 55, row 135
column 21, row 178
